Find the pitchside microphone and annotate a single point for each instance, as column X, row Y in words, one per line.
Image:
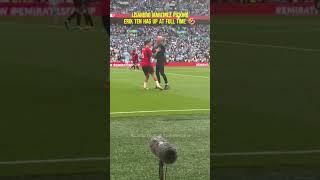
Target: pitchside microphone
column 165, row 151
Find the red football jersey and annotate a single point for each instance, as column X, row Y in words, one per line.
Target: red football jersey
column 105, row 9
column 146, row 57
column 134, row 57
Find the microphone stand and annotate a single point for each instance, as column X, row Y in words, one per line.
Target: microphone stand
column 161, row 171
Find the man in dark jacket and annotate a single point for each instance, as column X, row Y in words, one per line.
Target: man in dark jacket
column 160, row 55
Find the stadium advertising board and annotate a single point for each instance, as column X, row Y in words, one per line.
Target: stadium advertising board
column 173, row 64
column 43, row 9
column 280, row 9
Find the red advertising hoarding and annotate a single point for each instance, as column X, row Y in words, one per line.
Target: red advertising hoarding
column 99, row 8
column 275, row 9
column 172, row 64
column 44, row 9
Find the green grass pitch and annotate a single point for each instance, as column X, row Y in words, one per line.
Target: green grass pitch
column 266, row 91
column 52, row 84
column 138, row 114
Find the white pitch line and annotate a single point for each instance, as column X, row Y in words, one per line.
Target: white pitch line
column 64, row 160
column 262, row 153
column 268, row 46
column 155, row 111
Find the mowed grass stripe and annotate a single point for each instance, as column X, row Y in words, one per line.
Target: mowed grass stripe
column 188, row 72
column 155, row 111
column 176, row 75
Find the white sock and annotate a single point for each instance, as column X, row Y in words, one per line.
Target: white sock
column 157, row 83
column 145, row 84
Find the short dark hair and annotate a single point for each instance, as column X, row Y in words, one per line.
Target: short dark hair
column 147, row 42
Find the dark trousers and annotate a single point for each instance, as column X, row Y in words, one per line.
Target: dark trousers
column 77, row 12
column 160, row 70
column 87, row 16
column 106, row 23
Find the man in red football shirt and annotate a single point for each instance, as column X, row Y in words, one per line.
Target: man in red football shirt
column 134, row 59
column 147, row 65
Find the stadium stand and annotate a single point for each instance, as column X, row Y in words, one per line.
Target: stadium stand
column 194, row 7
column 183, row 43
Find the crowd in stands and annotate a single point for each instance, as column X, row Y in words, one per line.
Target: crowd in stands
column 183, row 43
column 194, row 7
